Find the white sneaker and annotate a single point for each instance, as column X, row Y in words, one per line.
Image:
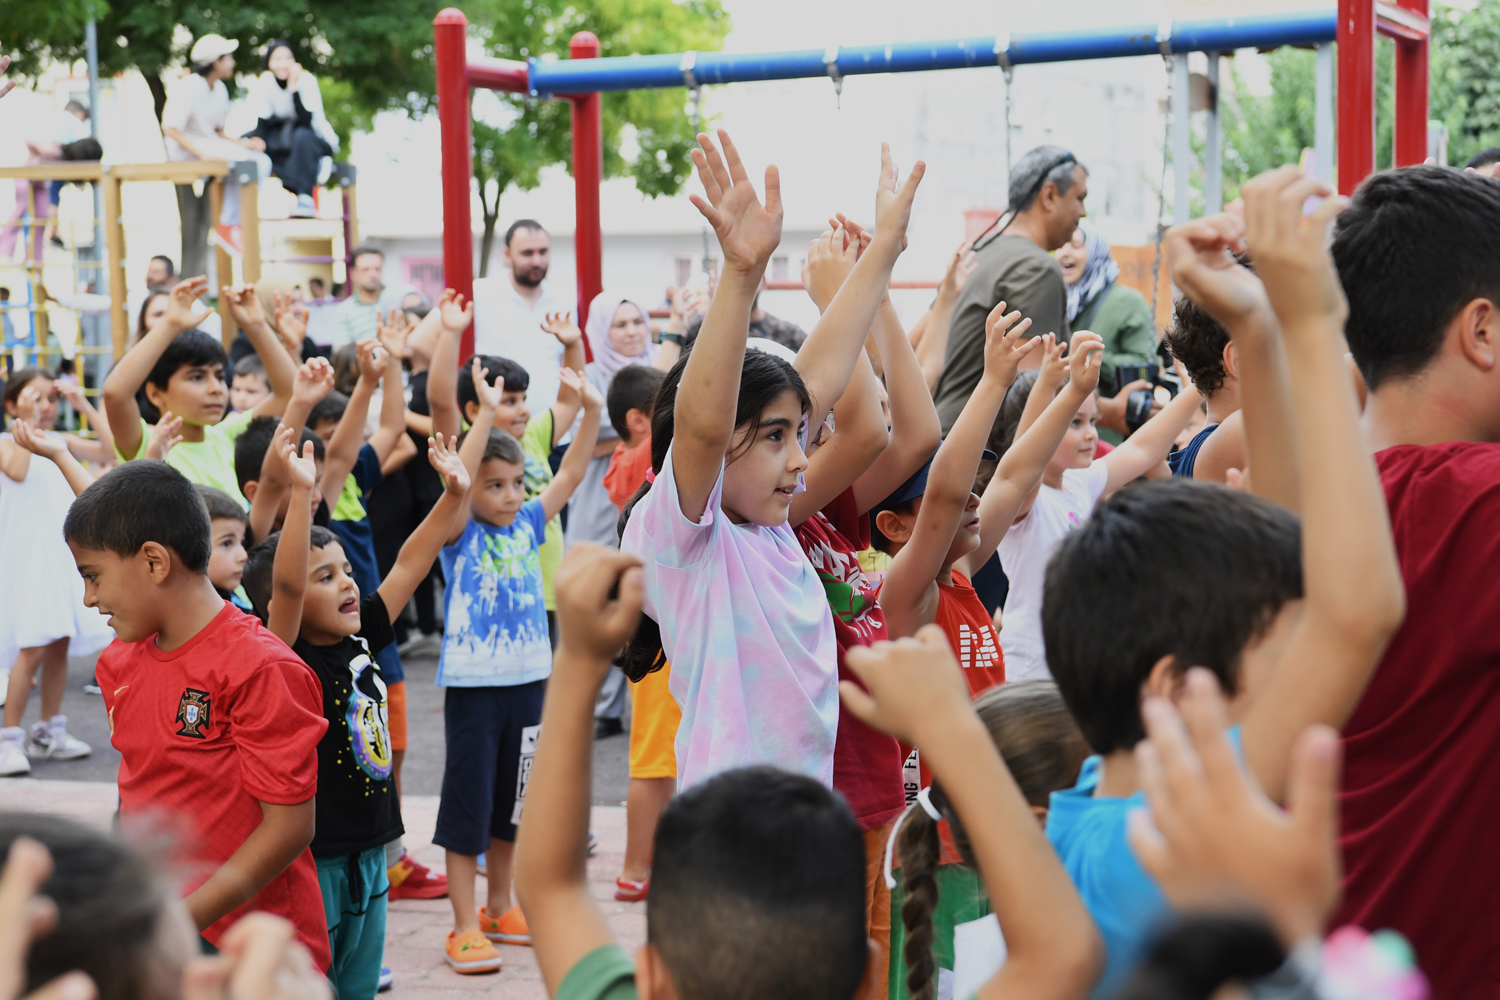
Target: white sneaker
column 4, row 686
column 304, row 209
column 13, row 762
column 50, row 741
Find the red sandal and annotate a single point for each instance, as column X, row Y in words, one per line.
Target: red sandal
column 627, row 891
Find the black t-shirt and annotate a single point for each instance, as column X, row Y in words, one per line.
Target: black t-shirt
column 357, row 807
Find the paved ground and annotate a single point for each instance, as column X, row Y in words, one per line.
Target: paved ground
column 421, row 772
column 415, row 928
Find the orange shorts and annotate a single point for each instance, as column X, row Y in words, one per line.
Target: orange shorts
column 395, row 702
column 654, row 717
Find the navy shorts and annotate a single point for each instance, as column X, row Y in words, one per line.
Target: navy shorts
column 491, row 735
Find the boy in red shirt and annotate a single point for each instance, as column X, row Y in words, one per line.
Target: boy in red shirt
column 631, row 393
column 216, row 720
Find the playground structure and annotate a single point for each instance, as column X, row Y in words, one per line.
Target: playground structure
column 290, row 237
column 1353, row 26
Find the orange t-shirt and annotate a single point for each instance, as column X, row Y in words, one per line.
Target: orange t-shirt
column 628, row 469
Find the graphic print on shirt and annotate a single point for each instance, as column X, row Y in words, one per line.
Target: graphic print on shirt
column 491, row 616
column 977, row 649
column 911, row 775
column 366, row 719
column 849, row 592
column 529, row 737
column 192, row 712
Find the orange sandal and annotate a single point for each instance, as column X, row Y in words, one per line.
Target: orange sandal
column 627, row 891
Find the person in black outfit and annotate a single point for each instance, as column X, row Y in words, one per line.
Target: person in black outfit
column 289, row 109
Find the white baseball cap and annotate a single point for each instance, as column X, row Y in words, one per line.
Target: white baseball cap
column 209, row 48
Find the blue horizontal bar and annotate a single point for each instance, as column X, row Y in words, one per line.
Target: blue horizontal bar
column 1224, row 34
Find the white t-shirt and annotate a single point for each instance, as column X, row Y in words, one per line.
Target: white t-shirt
column 1024, row 553
column 746, row 626
column 505, row 325
column 195, row 110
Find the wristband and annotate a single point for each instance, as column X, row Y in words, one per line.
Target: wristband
column 671, row 338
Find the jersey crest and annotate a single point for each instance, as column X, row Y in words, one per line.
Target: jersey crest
column 193, row 713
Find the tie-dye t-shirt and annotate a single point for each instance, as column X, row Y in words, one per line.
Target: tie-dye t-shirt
column 495, row 617
column 745, row 623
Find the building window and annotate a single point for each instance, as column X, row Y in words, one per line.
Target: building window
column 779, row 268
column 426, row 273
column 682, row 271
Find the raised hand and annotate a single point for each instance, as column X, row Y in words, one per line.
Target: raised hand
column 1291, row 250
column 5, row 85
column 490, row 395
column 291, row 323
column 182, row 312
column 561, row 326
column 260, row 959
column 30, row 403
column 244, row 306
column 1054, row 370
column 455, row 312
column 314, row 381
column 593, row 399
column 393, row 333
column 373, row 360
column 444, row 457
column 893, row 205
column 748, row 231
column 1085, row 355
column 37, row 441
column 830, row 259
column 27, row 916
column 960, row 266
column 1201, row 256
column 1212, row 838
column 914, row 684
column 1004, row 345
column 599, row 596
column 73, row 393
column 165, row 436
column 854, row 231
column 302, row 469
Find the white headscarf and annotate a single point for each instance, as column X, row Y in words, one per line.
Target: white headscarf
column 1099, row 271
column 607, row 360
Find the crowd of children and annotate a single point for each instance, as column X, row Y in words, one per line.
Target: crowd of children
column 847, row 776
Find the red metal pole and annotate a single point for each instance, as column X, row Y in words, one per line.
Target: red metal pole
column 1356, row 92
column 1411, row 94
column 450, row 32
column 588, row 174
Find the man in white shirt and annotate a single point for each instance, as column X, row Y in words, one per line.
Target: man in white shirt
column 509, row 311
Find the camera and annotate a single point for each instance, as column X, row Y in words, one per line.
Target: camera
column 1138, row 403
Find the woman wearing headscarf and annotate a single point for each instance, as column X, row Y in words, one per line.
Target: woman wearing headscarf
column 619, row 332
column 288, row 107
column 1098, row 302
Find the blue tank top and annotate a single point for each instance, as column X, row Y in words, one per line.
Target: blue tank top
column 1182, row 460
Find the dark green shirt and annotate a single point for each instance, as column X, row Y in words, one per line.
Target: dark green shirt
column 1013, row 269
column 1123, row 319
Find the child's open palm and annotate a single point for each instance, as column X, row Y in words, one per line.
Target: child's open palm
column 291, row 323
column 302, row 469
column 450, row 467
column 165, row 436
column 830, row 259
column 182, row 311
column 313, row 382
column 36, row 440
column 392, row 333
column 593, row 399
column 489, row 394
column 561, row 326
column 1054, row 368
column 892, row 204
column 455, row 312
column 599, row 597
column 1005, row 345
column 914, row 684
column 244, row 305
column 570, row 386
column 1085, row 355
column 748, row 231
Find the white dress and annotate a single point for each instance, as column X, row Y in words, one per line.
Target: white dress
column 41, row 593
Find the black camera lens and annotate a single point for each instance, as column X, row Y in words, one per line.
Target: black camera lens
column 1138, row 408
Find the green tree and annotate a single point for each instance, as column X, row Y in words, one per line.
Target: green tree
column 1465, row 93
column 514, row 144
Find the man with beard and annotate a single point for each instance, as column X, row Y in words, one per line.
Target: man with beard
column 508, row 313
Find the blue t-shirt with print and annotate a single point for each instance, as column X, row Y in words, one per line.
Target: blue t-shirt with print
column 1088, row 833
column 495, row 614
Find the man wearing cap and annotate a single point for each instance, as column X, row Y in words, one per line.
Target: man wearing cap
column 192, row 123
column 1015, row 266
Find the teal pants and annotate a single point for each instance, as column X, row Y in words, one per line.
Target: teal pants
column 354, row 895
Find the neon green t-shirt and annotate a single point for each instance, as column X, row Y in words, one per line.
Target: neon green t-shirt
column 209, row 462
column 537, row 445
